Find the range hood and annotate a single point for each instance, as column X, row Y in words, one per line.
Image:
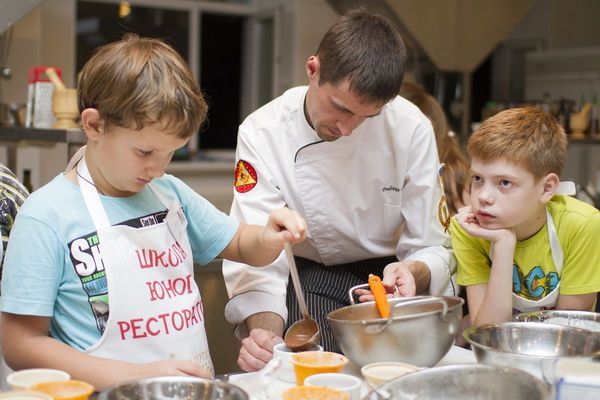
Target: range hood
column 14, row 10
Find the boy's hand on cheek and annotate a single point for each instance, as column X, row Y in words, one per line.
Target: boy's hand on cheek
column 284, row 225
column 466, row 219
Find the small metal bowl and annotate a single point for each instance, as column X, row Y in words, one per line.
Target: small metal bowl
column 469, row 381
column 173, row 387
column 576, row 319
column 531, row 346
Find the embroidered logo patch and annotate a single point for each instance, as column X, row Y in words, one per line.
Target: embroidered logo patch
column 245, row 177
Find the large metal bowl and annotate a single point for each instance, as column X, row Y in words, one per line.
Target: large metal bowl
column 577, row 319
column 531, row 346
column 470, row 381
column 420, row 330
column 173, row 387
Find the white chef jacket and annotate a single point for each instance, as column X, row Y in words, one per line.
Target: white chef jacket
column 372, row 194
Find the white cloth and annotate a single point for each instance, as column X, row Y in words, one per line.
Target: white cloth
column 372, row 194
column 155, row 305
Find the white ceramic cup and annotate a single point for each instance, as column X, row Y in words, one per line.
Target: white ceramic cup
column 285, row 370
column 342, row 382
column 24, row 396
column 26, row 378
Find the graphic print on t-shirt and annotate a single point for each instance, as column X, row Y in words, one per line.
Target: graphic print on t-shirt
column 536, row 284
column 87, row 262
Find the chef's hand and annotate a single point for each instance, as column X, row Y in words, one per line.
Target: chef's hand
column 257, row 349
column 284, row 225
column 398, row 281
column 174, row 368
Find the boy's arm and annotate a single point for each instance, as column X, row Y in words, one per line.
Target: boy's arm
column 26, row 344
column 581, row 302
column 491, row 302
column 260, row 245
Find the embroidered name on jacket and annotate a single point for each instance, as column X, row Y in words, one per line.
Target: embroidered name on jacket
column 390, row 188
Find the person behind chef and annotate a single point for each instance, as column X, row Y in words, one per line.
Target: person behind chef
column 521, row 245
column 102, row 256
column 455, row 172
column 12, row 195
column 360, row 164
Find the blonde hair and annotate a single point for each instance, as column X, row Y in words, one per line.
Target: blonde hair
column 456, row 174
column 529, row 137
column 136, row 82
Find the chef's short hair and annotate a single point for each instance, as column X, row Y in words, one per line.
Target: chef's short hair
column 365, row 49
column 136, row 82
column 527, row 136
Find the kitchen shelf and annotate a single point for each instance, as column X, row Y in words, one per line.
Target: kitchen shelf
column 16, row 136
column 586, row 140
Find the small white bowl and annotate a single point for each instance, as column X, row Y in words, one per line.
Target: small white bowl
column 24, row 396
column 379, row 373
column 26, row 378
column 338, row 381
column 285, row 371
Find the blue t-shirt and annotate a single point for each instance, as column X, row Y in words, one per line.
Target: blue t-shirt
column 54, row 236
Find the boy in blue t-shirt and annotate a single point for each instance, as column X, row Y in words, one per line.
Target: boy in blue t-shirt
column 102, row 256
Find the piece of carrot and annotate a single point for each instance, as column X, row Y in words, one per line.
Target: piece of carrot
column 378, row 291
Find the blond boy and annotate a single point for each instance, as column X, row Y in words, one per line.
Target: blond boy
column 102, row 257
column 520, row 245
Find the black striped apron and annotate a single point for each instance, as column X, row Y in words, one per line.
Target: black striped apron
column 326, row 289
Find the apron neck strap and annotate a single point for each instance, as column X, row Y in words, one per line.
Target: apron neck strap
column 91, row 196
column 555, row 249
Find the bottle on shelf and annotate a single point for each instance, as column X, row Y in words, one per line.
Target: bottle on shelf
column 27, row 180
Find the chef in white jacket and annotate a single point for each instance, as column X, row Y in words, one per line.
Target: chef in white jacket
column 360, row 165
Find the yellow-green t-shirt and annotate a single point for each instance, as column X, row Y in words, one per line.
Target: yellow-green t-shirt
column 534, row 274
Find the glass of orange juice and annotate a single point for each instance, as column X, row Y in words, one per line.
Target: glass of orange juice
column 308, row 363
column 65, row 390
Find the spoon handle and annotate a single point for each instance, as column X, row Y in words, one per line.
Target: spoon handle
column 296, row 279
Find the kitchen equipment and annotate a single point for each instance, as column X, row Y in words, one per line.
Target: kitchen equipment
column 531, row 346
column 343, row 382
column 381, row 301
column 303, row 334
column 469, row 381
column 168, row 387
column 39, row 98
column 285, row 370
column 307, row 363
column 577, row 319
column 65, row 390
column 26, row 378
column 64, row 107
column 20, row 395
column 420, row 330
column 314, row 393
column 378, row 373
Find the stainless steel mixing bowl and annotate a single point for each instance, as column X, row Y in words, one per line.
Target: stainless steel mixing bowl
column 420, row 330
column 173, row 388
column 577, row 319
column 469, row 381
column 531, row 346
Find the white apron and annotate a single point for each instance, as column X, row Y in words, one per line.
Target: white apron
column 549, row 301
column 155, row 308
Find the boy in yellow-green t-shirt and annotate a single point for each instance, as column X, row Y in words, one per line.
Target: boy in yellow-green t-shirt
column 521, row 245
